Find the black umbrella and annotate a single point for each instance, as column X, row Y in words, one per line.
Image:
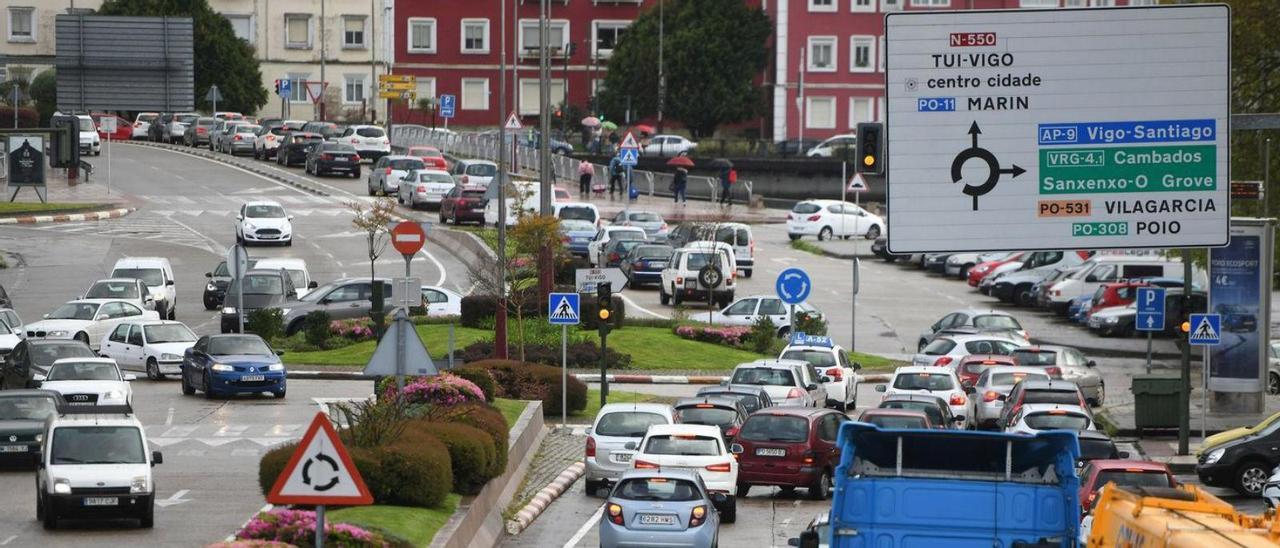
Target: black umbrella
column 720, row 163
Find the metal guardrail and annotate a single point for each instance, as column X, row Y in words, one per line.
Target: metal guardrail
column 564, row 168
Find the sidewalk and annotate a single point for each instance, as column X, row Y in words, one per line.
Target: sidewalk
column 689, row 211
column 61, row 189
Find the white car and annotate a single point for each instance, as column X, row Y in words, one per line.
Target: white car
column 267, row 141
column 9, row 337
column 385, row 175
column 994, row 385
column 1038, row 417
column 595, row 248
column 832, row 362
column 157, row 273
column 695, row 447
column 947, row 350
column 370, row 141
column 938, row 381
column 748, row 310
column 14, row 322
column 441, row 302
column 90, row 141
column 153, row 347
column 88, row 381
column 295, row 267
column 829, row 219
column 981, row 319
column 265, row 222
column 829, row 147
column 424, row 187
column 788, row 382
column 124, row 289
column 616, row 426
column 142, row 124
column 474, row 172
column 87, row 320
column 668, row 145
column 681, row 278
column 95, row 462
column 521, row 197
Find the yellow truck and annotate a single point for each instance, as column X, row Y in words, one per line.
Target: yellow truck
column 1183, row 517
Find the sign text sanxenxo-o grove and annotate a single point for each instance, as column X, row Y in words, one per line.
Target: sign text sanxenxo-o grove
column 1058, row 129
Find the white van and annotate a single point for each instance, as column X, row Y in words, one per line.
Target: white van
column 521, row 195
column 1110, row 268
column 90, row 141
column 680, row 277
column 157, row 273
column 297, row 269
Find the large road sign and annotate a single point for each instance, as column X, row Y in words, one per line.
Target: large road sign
column 1150, row 301
column 407, row 237
column 588, row 278
column 1003, row 133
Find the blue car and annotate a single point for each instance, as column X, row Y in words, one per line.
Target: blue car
column 660, row 508
column 1078, row 310
column 1237, row 318
column 644, row 263
column 230, row 364
column 576, row 235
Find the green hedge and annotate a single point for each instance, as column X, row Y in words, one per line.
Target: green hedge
column 527, row 381
column 478, row 310
column 488, row 419
column 471, row 450
column 481, row 379
column 409, row 472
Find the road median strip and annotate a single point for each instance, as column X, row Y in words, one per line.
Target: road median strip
column 67, row 217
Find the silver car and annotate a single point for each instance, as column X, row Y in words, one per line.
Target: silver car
column 653, row 224
column 986, row 320
column 993, row 386
column 1068, row 364
column 220, row 128
column 342, row 299
column 788, row 382
column 616, row 425
column 385, row 176
column 178, row 126
column 238, row 139
column 424, row 187
column 667, row 507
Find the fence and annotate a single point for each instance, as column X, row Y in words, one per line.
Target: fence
column 564, row 168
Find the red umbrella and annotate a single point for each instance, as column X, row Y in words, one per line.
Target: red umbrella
column 680, row 161
column 642, row 128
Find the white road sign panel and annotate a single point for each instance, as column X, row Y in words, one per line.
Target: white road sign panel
column 1058, row 129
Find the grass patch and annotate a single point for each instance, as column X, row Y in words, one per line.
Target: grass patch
column 872, row 362
column 617, row 396
column 511, row 409
column 416, row 525
column 656, row 348
column 22, row 208
column 434, row 336
column 1104, row 420
column 489, row 236
column 801, row 245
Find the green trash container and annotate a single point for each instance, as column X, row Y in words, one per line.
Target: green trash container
column 1155, row 401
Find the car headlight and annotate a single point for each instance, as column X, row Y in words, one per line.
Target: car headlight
column 170, row 357
column 113, row 395
column 1113, row 319
column 56, row 334
column 275, row 367
column 39, row 438
column 228, row 310
column 250, row 226
column 210, row 287
column 138, row 485
column 1214, row 455
column 222, row 367
column 62, row 486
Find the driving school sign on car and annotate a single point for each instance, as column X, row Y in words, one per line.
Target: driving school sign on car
column 1058, row 129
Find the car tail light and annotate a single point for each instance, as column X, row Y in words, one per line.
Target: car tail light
column 638, row 264
column 795, row 393
column 698, row 516
column 814, row 217
column 664, row 227
column 355, row 158
column 1054, row 371
column 945, row 360
column 137, row 124
column 644, row 464
column 808, row 457
column 236, row 138
column 615, row 514
column 591, row 446
column 680, row 282
column 957, row 399
column 990, row 396
column 614, row 256
column 326, row 157
column 721, row 467
column 752, row 246
column 836, row 373
column 422, row 189
column 789, row 217
column 271, row 138
column 732, row 432
column 388, row 172
column 465, row 178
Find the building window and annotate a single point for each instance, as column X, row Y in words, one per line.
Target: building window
column 1074, row 3
column 353, row 32
column 298, row 88
column 426, row 88
column 605, row 36
column 930, row 3
column 422, row 35
column 22, row 24
column 530, row 98
column 822, row 5
column 862, row 5
column 859, row 111
column 890, row 5
column 557, row 35
column 353, row 88
column 475, row 36
column 1104, row 3
column 242, row 25
column 822, row 53
column 475, row 94
column 1039, row 3
column 862, row 58
column 883, row 56
column 297, row 31
column 1142, row 2
column 820, row 112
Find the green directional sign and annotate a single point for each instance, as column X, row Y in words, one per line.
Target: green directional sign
column 1185, row 168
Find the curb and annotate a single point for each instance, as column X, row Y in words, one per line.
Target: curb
column 250, row 168
column 330, row 375
column 68, row 217
column 545, row 497
column 876, row 378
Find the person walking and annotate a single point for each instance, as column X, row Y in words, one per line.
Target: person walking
column 585, row 172
column 725, row 182
column 614, row 139
column 679, row 185
column 616, row 170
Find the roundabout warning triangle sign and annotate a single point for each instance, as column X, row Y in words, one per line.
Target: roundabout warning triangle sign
column 320, row 471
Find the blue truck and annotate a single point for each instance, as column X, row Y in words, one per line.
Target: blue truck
column 907, row 488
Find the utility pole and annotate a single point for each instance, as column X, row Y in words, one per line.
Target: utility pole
column 662, row 74
column 324, row 41
column 800, row 104
column 373, row 57
column 500, row 316
column 546, row 175
column 1184, row 395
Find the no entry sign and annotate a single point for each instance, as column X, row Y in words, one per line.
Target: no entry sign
column 408, row 237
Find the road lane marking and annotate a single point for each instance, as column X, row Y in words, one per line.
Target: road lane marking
column 8, row 540
column 173, row 499
column 439, row 266
column 168, row 419
column 213, row 242
column 586, row 528
column 636, row 306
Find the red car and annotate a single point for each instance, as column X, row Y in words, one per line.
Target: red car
column 463, row 204
column 789, row 447
column 123, row 132
column 1115, row 294
column 1124, row 473
column 431, row 156
column 972, row 366
column 981, row 270
column 896, row 418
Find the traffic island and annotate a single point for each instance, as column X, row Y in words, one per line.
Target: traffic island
column 21, row 213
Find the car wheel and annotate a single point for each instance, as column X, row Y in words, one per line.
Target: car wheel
column 443, row 220
column 187, row 389
column 591, row 487
column 825, row 233
column 147, row 519
column 793, row 237
column 371, row 191
column 663, row 297
column 294, row 327
column 356, row 174
column 742, row 490
column 82, row 337
column 279, row 395
column 173, row 312
column 730, row 513
column 676, row 299
column 39, row 506
column 206, row 386
column 1251, row 476
column 50, row 520
column 784, row 332
column 153, row 370
column 822, row 487
column 1101, row 397
column 746, row 273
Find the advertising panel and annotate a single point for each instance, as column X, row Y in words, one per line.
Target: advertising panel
column 1239, row 287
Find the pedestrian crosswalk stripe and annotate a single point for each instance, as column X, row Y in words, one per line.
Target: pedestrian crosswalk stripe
column 1205, row 331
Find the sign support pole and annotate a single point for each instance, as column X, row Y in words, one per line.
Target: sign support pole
column 604, row 379
column 239, row 294
column 320, row 526
column 791, row 325
column 450, row 345
column 1148, row 352
column 1204, row 393
column 1184, row 399
column 564, row 374
column 402, row 332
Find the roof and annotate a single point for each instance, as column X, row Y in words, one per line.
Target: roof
column 432, row 170
column 117, row 280
column 635, row 407
column 998, row 369
column 983, row 335
column 83, row 360
column 676, row 429
column 29, row 393
column 908, row 396
column 1144, row 465
column 914, row 369
column 1051, row 384
column 749, row 389
column 980, row 312
column 101, row 301
column 874, row 411
column 54, row 341
column 262, row 202
column 152, row 322
column 775, row 363
column 1042, row 348
column 1094, row 434
column 987, row 357
column 282, row 261
column 140, row 261
column 473, row 161
column 1028, row 408
column 793, row 411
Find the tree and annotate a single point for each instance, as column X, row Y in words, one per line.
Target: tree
column 220, row 57
column 374, row 219
column 714, row 50
column 44, row 91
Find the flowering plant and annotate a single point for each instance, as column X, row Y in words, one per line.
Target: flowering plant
column 298, row 527
column 358, row 329
column 444, row 389
column 731, row 336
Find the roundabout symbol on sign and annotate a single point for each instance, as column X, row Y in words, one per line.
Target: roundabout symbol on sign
column 793, row 286
column 993, row 167
column 333, row 475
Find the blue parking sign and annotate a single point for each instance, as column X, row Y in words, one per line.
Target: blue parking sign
column 1150, row 303
column 448, row 104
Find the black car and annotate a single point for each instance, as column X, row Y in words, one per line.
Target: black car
column 727, row 413
column 216, row 289
column 752, row 397
column 936, row 262
column 325, row 129
column 794, row 147
column 263, row 289
column 615, row 250
column 1097, row 445
column 1244, row 460
column 333, row 158
column 644, row 263
column 33, row 357
column 22, row 416
column 936, row 408
column 295, row 147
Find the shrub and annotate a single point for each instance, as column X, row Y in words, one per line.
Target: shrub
column 373, row 423
column 266, row 323
column 529, row 381
column 471, row 451
column 490, row 421
column 762, row 335
column 567, row 270
column 481, row 379
column 444, row 389
column 729, row 336
column 359, row 329
column 579, row 355
column 316, row 327
column 298, row 528
column 272, row 464
column 26, row 117
column 479, row 310
column 810, row 324
column 410, row 472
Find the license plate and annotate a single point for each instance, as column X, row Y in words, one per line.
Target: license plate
column 657, row 264
column 622, row 457
column 652, row 519
column 101, row 501
column 13, row 449
column 250, row 378
column 770, row 452
column 80, row 403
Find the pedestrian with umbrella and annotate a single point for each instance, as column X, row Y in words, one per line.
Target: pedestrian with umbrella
column 727, row 177
column 680, row 183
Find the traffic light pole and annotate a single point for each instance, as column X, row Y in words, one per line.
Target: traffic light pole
column 1184, row 403
column 604, row 305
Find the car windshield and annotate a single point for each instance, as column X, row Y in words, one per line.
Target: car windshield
column 1067, row 397
column 370, row 132
column 238, row 345
column 187, row 118
column 577, row 213
column 1133, row 478
column 83, row 371
column 1091, row 449
column 113, row 290
column 996, row 321
column 481, row 170
column 435, row 177
column 994, row 346
column 1035, row 357
column 895, row 421
column 206, row 122
column 805, row 208
column 44, row 354
column 763, row 376
column 645, row 217
column 714, row 416
column 698, row 260
column 246, row 128
column 26, row 408
column 930, row 410
column 627, row 424
column 939, row 347
column 258, row 284
column 153, row 277
column 406, row 164
column 652, row 252
column 628, row 235
column 97, row 445
column 816, row 358
column 74, row 311
column 657, row 489
column 264, row 212
column 86, row 124
column 339, row 147
column 221, row 271
column 1056, row 421
column 775, row 428
column 168, row 333
column 922, row 381
column 1010, row 379
column 682, row 444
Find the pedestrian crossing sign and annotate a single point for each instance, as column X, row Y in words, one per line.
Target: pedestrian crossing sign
column 1206, row 329
column 628, row 156
column 562, row 309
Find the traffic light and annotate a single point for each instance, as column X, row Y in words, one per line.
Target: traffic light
column 64, row 148
column 604, row 306
column 277, row 86
column 870, row 148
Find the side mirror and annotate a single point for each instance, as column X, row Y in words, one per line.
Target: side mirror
column 1090, row 278
column 239, row 217
column 130, row 377
column 208, row 274
column 157, row 458
column 631, row 446
column 169, row 282
column 587, row 431
column 279, row 352
column 723, row 382
column 736, row 448
column 312, row 285
column 719, row 498
column 958, row 418
column 880, row 388
column 857, row 366
column 1002, row 397
column 325, row 301
column 1123, row 454
column 967, row 385
column 732, row 432
column 811, row 387
column 46, row 316
column 793, row 541
column 289, row 218
column 1091, row 363
column 37, row 377
column 824, row 379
